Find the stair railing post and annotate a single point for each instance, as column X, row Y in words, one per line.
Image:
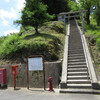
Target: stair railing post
column 65, row 24
column 82, row 21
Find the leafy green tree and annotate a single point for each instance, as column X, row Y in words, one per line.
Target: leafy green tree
column 97, row 12
column 73, row 5
column 87, row 5
column 97, row 16
column 90, row 5
column 34, row 14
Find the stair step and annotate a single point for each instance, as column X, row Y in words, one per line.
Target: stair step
column 80, row 91
column 76, row 63
column 77, row 66
column 73, row 55
column 77, row 73
column 73, row 50
column 78, row 82
column 76, row 57
column 76, row 53
column 75, row 47
column 77, row 69
column 78, row 77
column 77, row 60
column 79, row 85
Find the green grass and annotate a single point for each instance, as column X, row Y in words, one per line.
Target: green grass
column 49, row 43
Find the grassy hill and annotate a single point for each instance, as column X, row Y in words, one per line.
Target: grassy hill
column 15, row 48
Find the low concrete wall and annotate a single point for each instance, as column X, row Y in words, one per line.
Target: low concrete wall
column 35, row 77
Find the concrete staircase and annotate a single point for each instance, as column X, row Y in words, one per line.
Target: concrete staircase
column 75, row 72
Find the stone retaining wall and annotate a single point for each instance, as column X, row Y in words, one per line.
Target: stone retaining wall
column 35, row 77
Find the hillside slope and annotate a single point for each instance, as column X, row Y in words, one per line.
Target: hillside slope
column 49, row 43
column 93, row 39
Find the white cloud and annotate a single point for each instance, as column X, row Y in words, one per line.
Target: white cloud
column 8, row 14
column 20, row 4
column 10, row 31
column 5, row 22
column 7, row 0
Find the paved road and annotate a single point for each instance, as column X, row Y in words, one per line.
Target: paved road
column 24, row 94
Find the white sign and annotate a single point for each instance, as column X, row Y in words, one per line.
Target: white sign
column 35, row 64
column 60, row 18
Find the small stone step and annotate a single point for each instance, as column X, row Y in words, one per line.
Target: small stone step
column 77, row 73
column 78, row 82
column 78, row 77
column 82, row 91
column 77, row 66
column 77, row 60
column 76, row 57
column 78, row 52
column 77, row 69
column 79, row 85
column 76, row 63
column 75, row 47
column 75, row 50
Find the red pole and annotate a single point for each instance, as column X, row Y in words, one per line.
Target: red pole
column 14, row 81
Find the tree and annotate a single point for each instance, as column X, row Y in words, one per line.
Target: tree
column 56, row 6
column 73, row 5
column 97, row 12
column 87, row 5
column 97, row 16
column 34, row 14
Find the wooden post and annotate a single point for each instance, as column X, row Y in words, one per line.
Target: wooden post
column 82, row 21
column 27, row 75
column 68, row 17
column 43, row 72
column 65, row 24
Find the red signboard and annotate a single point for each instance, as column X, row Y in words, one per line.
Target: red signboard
column 14, row 69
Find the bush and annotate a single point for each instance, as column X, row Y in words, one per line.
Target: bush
column 10, row 45
column 13, row 47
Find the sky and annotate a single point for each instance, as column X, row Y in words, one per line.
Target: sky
column 10, row 10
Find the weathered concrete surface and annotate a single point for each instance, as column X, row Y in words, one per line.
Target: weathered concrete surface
column 36, row 77
column 80, row 91
column 65, row 58
column 32, row 94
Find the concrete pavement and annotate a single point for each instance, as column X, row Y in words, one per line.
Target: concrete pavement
column 37, row 94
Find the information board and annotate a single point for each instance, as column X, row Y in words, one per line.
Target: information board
column 35, row 63
column 60, row 18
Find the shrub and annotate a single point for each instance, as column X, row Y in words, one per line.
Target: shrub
column 10, row 45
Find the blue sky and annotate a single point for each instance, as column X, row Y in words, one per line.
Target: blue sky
column 9, row 12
